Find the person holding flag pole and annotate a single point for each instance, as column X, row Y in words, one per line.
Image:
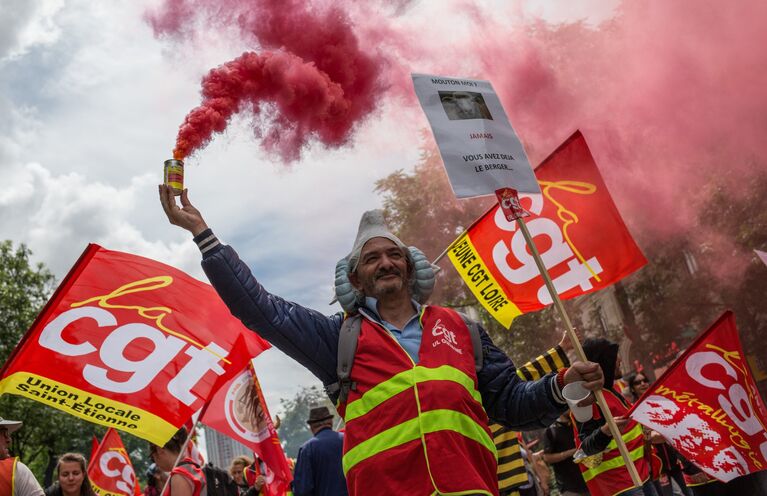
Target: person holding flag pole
column 483, row 156
column 513, row 210
column 414, row 364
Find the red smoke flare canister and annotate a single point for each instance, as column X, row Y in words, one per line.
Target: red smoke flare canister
column 174, row 175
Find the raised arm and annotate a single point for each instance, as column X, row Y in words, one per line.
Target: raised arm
column 550, row 361
column 185, row 216
column 305, row 335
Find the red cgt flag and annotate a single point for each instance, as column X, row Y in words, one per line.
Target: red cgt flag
column 707, row 405
column 234, row 412
column 575, row 226
column 129, row 343
column 111, row 471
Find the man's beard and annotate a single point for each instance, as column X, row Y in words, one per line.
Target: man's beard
column 377, row 290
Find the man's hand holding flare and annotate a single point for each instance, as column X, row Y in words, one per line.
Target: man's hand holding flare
column 186, row 216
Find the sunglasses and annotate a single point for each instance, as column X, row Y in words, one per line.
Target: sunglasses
column 640, row 381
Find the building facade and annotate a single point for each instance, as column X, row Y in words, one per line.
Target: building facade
column 222, row 449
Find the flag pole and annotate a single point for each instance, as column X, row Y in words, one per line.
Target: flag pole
column 444, row 252
column 460, row 235
column 614, row 430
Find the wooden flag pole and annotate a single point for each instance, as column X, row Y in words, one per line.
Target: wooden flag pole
column 444, row 252
column 617, row 436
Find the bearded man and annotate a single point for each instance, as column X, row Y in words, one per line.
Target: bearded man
column 417, row 403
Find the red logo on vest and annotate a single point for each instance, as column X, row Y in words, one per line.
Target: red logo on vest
column 448, row 337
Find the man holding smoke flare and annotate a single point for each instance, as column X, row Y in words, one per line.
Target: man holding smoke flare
column 417, row 399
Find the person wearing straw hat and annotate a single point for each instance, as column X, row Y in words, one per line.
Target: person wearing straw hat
column 318, row 469
column 15, row 478
column 423, row 381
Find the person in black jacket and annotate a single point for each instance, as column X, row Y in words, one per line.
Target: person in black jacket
column 595, row 435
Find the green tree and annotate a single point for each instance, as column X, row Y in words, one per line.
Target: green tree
column 694, row 275
column 736, row 215
column 24, row 289
column 293, row 430
column 47, row 432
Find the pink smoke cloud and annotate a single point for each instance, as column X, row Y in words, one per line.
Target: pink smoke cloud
column 669, row 95
column 316, row 79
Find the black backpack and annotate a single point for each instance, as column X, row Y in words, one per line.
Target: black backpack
column 347, row 348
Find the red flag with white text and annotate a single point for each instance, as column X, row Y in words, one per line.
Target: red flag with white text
column 137, row 345
column 707, row 405
column 111, row 471
column 238, row 410
column 574, row 223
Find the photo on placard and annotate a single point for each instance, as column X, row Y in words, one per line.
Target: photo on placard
column 460, row 105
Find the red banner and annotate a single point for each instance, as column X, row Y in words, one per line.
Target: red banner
column 129, row 343
column 234, row 413
column 707, row 405
column 111, row 472
column 576, row 227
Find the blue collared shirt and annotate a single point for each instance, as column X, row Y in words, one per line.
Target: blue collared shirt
column 409, row 337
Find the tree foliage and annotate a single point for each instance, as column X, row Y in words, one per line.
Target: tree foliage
column 693, row 276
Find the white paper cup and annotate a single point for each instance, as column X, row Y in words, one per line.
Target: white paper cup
column 574, row 393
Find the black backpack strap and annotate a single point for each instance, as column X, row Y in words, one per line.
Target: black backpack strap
column 476, row 340
column 347, row 348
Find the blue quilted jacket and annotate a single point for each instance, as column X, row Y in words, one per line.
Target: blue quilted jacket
column 311, row 338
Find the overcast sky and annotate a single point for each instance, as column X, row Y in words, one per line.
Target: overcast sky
column 91, row 102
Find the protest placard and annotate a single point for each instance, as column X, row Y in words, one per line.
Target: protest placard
column 479, row 148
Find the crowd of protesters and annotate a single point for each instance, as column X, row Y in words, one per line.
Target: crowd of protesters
column 541, row 463
column 401, row 344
